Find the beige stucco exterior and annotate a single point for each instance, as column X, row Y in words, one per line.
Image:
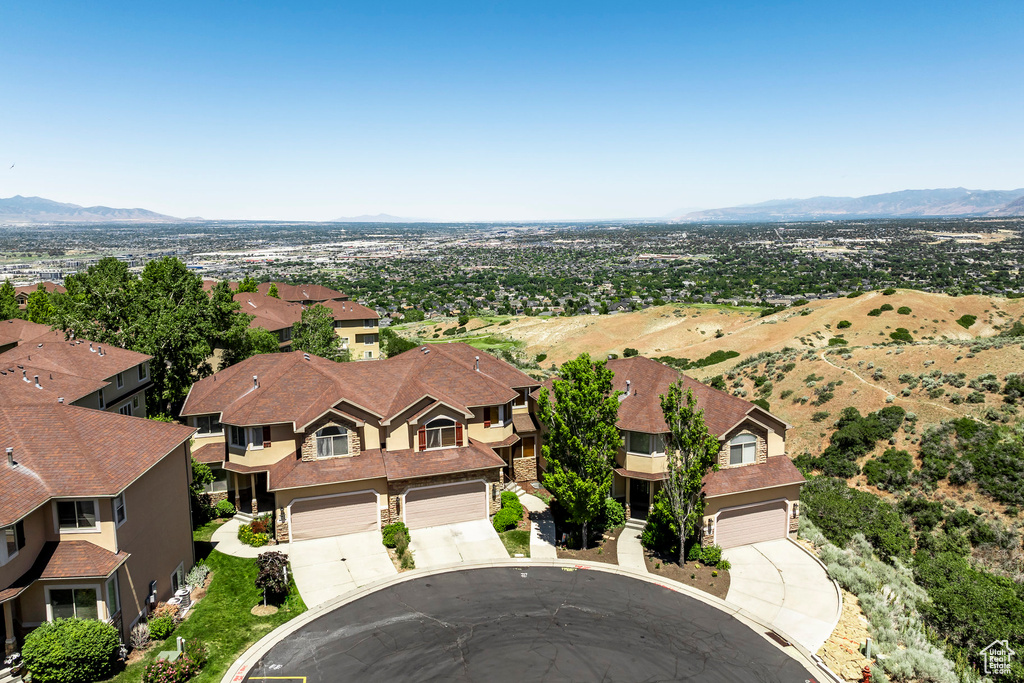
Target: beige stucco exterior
column 131, row 392
column 361, row 338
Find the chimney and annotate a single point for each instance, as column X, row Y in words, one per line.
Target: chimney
column 478, row 363
column 11, row 462
column 255, row 382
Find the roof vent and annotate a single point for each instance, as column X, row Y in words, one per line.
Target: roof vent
column 101, row 350
column 255, row 382
column 60, row 399
column 38, row 385
column 90, row 348
column 40, row 346
column 24, row 376
column 478, row 363
column 627, row 387
column 11, row 462
column 306, row 356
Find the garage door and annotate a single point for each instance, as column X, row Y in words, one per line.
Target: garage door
column 752, row 524
column 334, row 515
column 445, row 504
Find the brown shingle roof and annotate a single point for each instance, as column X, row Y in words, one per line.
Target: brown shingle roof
column 64, row 450
column 211, row 453
column 350, row 310
column 778, row 470
column 296, row 390
column 409, row 464
column 523, row 423
column 271, row 314
column 649, row 379
column 18, row 331
column 302, row 292
column 67, row 560
column 52, row 352
column 292, row 473
column 634, row 474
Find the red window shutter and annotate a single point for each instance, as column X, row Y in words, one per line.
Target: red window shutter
column 458, row 433
column 423, row 438
column 266, row 437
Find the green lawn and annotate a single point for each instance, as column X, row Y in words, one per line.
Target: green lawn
column 516, row 541
column 222, row 620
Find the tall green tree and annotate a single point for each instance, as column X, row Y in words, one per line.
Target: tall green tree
column 273, row 291
column 314, row 334
column 690, row 451
column 38, row 309
column 582, row 439
column 8, row 304
column 248, row 284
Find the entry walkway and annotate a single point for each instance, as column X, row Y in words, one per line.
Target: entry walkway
column 782, row 585
column 225, row 540
column 630, row 552
column 542, row 528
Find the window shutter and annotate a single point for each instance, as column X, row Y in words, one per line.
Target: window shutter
column 266, row 436
column 423, row 438
column 458, row 433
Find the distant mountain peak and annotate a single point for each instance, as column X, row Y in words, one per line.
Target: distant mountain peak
column 956, row 201
column 21, row 210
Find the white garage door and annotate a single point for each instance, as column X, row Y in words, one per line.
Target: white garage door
column 752, row 524
column 334, row 515
column 448, row 504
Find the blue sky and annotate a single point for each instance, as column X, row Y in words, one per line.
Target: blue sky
column 510, row 111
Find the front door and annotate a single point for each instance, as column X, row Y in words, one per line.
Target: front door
column 639, row 497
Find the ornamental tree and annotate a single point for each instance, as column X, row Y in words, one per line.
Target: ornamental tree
column 8, row 304
column 582, row 438
column 690, row 450
column 314, row 334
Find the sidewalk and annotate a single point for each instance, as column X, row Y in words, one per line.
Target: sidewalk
column 630, row 552
column 225, row 540
column 542, row 529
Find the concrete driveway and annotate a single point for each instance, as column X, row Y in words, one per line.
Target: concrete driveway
column 325, row 568
column 778, row 582
column 450, row 543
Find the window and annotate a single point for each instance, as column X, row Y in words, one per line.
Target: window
column 441, row 433
column 143, row 371
column 120, row 380
column 521, row 399
column 331, row 442
column 639, row 442
column 344, row 342
column 13, row 540
column 208, row 424
column 369, row 339
column 220, row 481
column 285, row 334
column 103, row 404
column 369, row 323
column 238, row 436
column 126, row 409
column 178, row 578
column 743, row 449
column 113, row 597
column 120, row 512
column 73, row 603
column 77, row 515
column 135, row 402
column 368, row 354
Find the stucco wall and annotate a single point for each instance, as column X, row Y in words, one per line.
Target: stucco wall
column 714, row 505
column 283, row 443
column 38, row 530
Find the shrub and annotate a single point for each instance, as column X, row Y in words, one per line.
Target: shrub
column 540, row 357
column 888, row 291
column 841, row 512
column 401, row 542
column 68, row 650
column 264, row 524
column 837, row 341
column 161, row 627
column 247, row 536
column 629, row 353
column 889, row 471
column 711, row 555
column 272, row 574
column 904, row 310
column 196, row 651
column 139, row 636
column 854, row 295
column 162, row 671
column 407, row 561
column 820, row 415
column 902, row 335
column 225, row 508
column 760, row 402
column 965, row 321
column 511, row 500
column 388, row 533
column 885, row 307
column 661, row 533
column 507, row 518
column 196, row 576
column 613, row 515
column 843, row 324
column 875, row 312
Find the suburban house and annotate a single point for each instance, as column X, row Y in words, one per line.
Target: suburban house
column 74, row 371
column 427, row 437
column 307, row 295
column 17, row 331
column 754, row 495
column 274, row 315
column 95, row 515
column 21, row 294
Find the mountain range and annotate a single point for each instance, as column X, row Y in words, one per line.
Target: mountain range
column 376, row 218
column 20, row 209
column 956, row 201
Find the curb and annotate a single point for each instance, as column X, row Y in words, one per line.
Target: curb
column 241, row 667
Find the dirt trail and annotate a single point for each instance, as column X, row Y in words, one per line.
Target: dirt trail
column 880, row 388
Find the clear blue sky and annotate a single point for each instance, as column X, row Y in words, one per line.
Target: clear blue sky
column 515, row 110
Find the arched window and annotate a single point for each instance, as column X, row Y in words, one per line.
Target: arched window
column 441, row 432
column 331, row 442
column 743, row 449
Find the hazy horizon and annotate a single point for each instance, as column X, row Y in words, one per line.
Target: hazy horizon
column 524, row 112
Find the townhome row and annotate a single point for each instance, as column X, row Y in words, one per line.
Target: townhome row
column 95, row 514
column 428, row 437
column 357, row 325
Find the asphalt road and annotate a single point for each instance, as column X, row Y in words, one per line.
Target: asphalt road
column 527, row 624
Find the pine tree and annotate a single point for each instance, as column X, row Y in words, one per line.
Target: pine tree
column 8, row 304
